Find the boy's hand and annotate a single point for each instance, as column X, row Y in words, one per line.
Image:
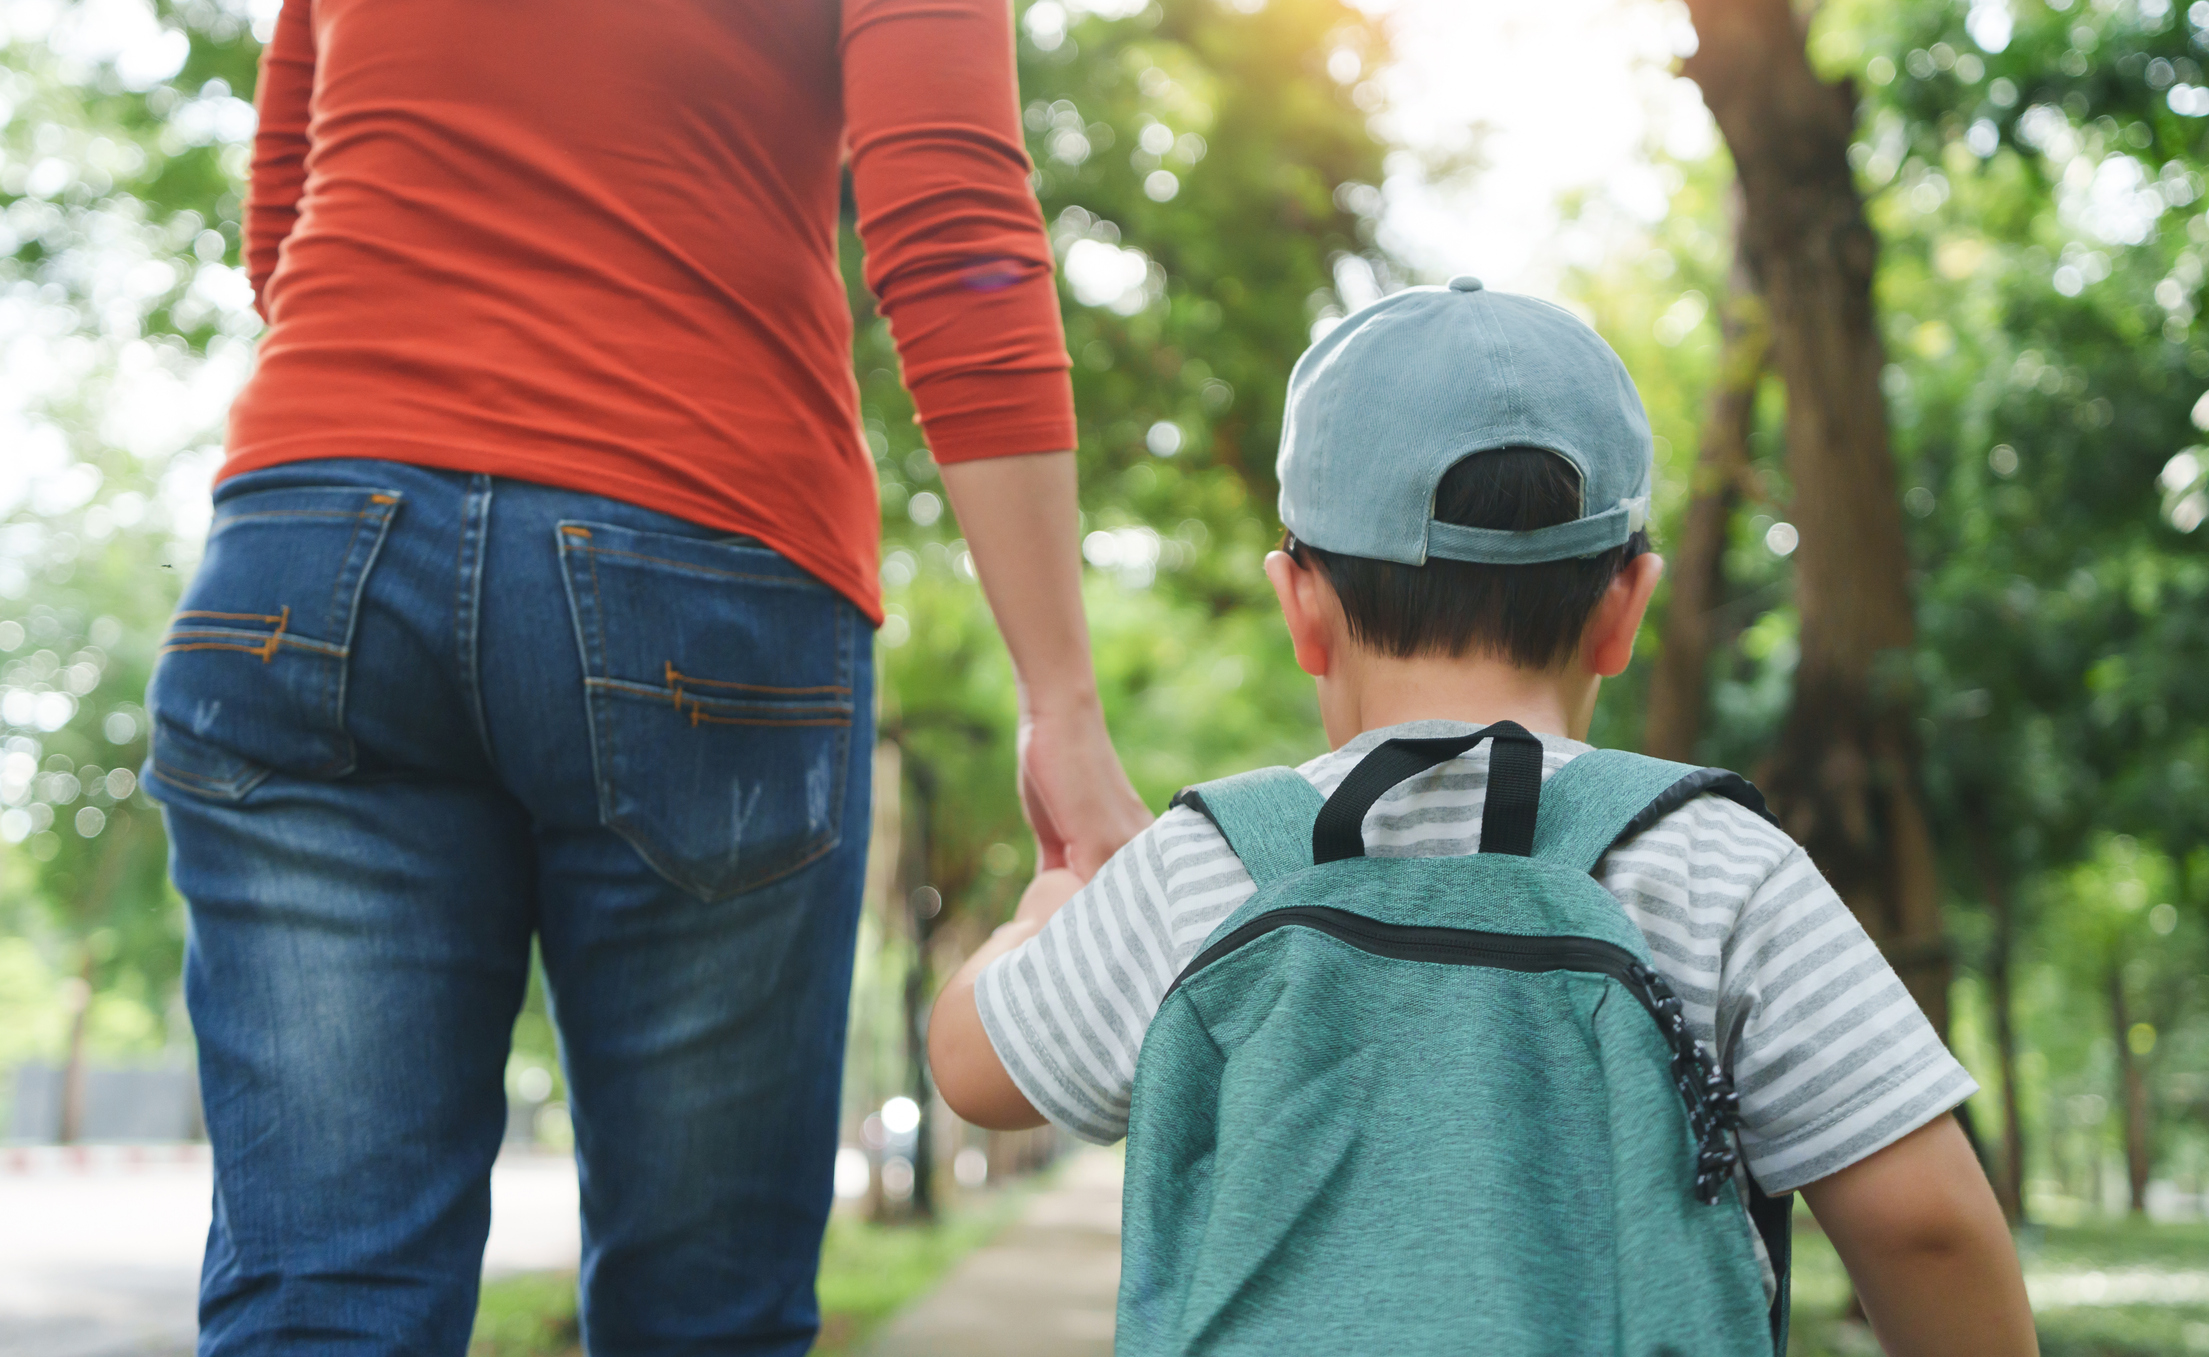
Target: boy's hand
column 968, row 1073
column 1918, row 1229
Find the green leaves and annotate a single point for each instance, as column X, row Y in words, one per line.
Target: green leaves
column 1186, row 302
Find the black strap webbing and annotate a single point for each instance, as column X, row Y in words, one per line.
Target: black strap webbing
column 1774, row 1218
column 1506, row 821
column 1701, row 782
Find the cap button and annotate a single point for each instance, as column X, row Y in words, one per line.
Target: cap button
column 1464, row 282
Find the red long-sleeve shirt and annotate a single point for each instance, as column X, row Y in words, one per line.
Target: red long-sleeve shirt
column 594, row 246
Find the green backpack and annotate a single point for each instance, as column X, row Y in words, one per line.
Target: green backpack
column 1401, row 1106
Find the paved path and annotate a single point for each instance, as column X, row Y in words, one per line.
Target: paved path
column 1046, row 1287
column 103, row 1261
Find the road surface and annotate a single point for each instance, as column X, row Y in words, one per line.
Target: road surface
column 99, row 1250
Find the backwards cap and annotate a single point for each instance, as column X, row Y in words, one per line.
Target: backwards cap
column 1393, row 397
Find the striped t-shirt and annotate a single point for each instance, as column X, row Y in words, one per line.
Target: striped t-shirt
column 1832, row 1057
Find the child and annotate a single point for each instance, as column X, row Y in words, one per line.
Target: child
column 1464, row 481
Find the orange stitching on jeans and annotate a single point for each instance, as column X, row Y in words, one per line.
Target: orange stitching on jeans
column 573, row 531
column 211, row 645
column 266, row 649
column 676, row 678
column 180, row 639
column 235, row 617
column 383, row 499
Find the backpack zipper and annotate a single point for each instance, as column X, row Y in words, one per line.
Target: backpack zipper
column 1442, row 946
column 1714, row 1108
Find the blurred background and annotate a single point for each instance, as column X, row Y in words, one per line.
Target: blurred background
column 1916, row 320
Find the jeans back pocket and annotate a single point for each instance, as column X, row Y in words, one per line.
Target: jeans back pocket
column 251, row 674
column 719, row 678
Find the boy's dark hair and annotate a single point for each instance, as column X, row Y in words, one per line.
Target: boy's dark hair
column 1529, row 615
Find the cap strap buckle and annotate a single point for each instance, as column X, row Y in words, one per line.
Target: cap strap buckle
column 1559, row 542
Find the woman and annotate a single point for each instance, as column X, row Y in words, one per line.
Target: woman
column 537, row 607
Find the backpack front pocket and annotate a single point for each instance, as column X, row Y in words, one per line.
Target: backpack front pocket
column 251, row 674
column 720, row 690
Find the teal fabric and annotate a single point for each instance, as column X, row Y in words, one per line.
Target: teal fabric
column 1266, row 817
column 1332, row 1151
column 1404, row 389
column 1595, row 796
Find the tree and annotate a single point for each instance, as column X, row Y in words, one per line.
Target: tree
column 1206, row 181
column 2053, row 361
column 1679, row 688
column 117, row 224
column 1843, row 778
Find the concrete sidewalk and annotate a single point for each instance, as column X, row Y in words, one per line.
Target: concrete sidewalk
column 99, row 1249
column 1046, row 1287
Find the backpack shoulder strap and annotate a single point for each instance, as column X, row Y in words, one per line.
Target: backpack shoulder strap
column 1603, row 798
column 1266, row 816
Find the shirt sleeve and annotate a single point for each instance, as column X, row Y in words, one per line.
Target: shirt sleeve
column 1067, row 1009
column 1833, row 1058
column 956, row 250
column 283, row 96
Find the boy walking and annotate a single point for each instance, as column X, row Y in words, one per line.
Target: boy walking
column 1465, row 1037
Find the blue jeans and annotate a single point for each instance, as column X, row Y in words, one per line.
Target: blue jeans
column 405, row 721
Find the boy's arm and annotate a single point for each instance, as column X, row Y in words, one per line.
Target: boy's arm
column 966, row 1067
column 1917, row 1227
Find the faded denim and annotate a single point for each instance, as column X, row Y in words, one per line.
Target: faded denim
column 405, row 721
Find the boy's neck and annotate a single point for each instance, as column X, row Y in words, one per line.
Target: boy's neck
column 1363, row 691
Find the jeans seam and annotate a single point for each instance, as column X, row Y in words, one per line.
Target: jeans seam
column 354, row 571
column 597, row 662
column 475, row 530
column 563, row 532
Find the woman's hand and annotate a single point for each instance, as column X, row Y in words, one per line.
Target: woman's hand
column 1074, row 792
column 1018, row 514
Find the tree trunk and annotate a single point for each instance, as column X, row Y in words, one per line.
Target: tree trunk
column 1844, row 776
column 114, row 856
column 79, row 991
column 924, row 905
column 2132, row 1095
column 2009, row 1185
column 1678, row 687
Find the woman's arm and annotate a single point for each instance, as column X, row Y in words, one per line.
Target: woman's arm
column 957, row 255
column 1019, row 519
column 283, row 96
column 956, row 251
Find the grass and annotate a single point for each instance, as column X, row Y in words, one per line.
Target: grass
column 867, row 1273
column 529, row 1315
column 2141, row 1330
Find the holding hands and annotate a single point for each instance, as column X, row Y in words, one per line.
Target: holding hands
column 1018, row 514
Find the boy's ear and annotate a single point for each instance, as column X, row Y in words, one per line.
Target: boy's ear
column 1607, row 645
column 1304, row 606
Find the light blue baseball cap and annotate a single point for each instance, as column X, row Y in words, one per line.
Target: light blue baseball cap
column 1394, row 396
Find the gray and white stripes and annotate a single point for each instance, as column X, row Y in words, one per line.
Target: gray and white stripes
column 1833, row 1058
